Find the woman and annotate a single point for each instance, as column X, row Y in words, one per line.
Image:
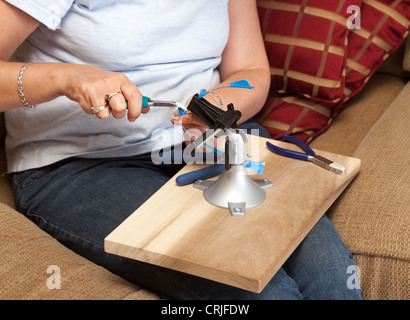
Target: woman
column 80, row 164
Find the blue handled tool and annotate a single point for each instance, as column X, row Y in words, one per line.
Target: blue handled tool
column 214, row 170
column 201, row 174
column 308, row 155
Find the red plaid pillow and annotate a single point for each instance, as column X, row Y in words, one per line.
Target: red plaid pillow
column 296, row 115
column 383, row 26
column 306, row 43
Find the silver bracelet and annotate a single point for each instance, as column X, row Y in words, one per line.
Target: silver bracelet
column 221, row 104
column 20, row 88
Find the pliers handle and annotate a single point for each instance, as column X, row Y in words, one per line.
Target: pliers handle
column 308, row 155
column 148, row 102
column 290, row 153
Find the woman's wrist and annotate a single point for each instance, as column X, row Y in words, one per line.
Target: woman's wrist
column 20, row 88
column 38, row 83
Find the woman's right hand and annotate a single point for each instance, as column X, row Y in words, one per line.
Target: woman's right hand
column 84, row 84
column 89, row 85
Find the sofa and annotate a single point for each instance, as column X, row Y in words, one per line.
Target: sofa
column 372, row 215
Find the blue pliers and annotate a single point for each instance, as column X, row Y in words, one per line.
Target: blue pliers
column 213, row 170
column 201, row 174
column 308, row 155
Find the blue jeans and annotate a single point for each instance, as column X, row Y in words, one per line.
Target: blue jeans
column 80, row 201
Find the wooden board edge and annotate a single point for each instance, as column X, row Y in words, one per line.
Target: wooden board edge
column 220, row 276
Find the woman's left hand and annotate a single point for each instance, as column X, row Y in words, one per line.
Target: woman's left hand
column 193, row 126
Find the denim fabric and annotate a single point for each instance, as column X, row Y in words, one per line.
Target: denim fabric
column 81, row 201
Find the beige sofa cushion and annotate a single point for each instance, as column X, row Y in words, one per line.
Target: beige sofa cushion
column 27, row 252
column 406, row 61
column 372, row 215
column 363, row 111
column 395, row 63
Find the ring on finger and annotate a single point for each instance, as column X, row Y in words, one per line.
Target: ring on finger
column 95, row 110
column 108, row 96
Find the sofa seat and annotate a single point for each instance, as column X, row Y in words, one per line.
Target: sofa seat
column 27, row 252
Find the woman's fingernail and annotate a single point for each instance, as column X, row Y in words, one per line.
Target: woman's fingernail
column 181, row 120
column 176, row 120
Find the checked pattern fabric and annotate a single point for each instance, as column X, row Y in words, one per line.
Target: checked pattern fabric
column 321, row 54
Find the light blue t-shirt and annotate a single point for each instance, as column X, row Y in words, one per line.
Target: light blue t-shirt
column 170, row 49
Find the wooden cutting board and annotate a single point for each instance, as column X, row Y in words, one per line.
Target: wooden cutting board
column 178, row 229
